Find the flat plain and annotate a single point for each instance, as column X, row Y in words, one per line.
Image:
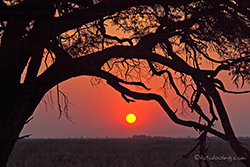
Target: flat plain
column 130, row 152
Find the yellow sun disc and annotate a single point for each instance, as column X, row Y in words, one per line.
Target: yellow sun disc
column 131, row 118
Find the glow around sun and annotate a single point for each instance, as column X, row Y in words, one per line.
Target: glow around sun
column 131, row 118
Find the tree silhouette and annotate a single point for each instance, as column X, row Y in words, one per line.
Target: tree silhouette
column 167, row 39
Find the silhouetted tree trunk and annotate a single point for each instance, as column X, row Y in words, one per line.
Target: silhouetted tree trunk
column 9, row 133
column 237, row 147
column 15, row 113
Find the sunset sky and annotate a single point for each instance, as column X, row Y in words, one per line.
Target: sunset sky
column 100, row 112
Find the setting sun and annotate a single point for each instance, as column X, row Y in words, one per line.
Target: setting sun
column 130, row 118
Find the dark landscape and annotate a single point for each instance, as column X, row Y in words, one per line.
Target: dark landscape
column 129, row 152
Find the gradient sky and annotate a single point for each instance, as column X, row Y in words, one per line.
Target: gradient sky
column 101, row 111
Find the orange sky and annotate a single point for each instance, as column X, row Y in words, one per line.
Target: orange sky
column 101, row 112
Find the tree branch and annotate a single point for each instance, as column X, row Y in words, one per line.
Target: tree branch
column 25, row 136
column 114, row 82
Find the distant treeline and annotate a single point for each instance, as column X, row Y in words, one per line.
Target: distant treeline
column 147, row 137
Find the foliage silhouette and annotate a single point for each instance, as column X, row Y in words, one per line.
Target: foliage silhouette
column 168, row 39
